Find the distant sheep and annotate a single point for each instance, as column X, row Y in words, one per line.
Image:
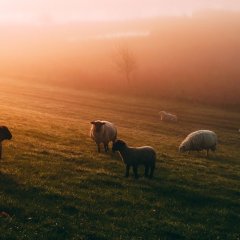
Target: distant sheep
column 199, row 140
column 103, row 132
column 5, row 134
column 133, row 157
column 168, row 117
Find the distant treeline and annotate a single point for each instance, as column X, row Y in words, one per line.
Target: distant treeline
column 193, row 58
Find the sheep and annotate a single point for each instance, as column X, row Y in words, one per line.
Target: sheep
column 103, row 132
column 135, row 156
column 169, row 117
column 5, row 134
column 199, row 140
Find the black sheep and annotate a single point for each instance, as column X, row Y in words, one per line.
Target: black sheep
column 133, row 157
column 5, row 134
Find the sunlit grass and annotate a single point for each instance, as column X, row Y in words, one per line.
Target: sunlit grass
column 55, row 185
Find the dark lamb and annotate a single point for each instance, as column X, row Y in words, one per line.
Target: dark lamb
column 135, row 156
column 5, row 134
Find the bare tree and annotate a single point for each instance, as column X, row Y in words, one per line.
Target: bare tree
column 125, row 61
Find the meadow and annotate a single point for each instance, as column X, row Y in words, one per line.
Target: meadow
column 54, row 184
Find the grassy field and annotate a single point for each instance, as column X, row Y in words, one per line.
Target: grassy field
column 54, row 184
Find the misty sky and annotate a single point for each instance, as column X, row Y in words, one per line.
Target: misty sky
column 37, row 11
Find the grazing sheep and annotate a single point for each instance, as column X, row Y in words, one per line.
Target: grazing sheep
column 169, row 117
column 132, row 157
column 199, row 140
column 4, row 135
column 103, row 132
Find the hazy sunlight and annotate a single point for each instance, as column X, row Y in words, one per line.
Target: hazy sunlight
column 60, row 11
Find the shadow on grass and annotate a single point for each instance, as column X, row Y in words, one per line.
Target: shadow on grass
column 33, row 210
column 55, row 216
column 213, row 157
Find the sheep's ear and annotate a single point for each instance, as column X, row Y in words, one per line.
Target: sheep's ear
column 121, row 143
column 92, row 122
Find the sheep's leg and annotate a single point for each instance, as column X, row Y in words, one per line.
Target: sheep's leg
column 207, row 152
column 151, row 172
column 98, row 146
column 112, row 144
column 127, row 170
column 0, row 150
column 135, row 172
column 106, row 147
column 146, row 171
column 213, row 148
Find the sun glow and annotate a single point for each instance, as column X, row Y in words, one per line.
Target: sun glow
column 61, row 11
column 178, row 47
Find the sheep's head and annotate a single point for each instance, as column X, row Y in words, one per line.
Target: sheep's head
column 182, row 148
column 5, row 133
column 118, row 145
column 162, row 112
column 98, row 124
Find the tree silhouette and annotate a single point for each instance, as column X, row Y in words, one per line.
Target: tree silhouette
column 125, row 61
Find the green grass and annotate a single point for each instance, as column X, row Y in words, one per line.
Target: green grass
column 55, row 185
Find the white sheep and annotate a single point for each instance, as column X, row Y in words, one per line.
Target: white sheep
column 169, row 117
column 103, row 132
column 5, row 134
column 199, row 140
column 135, row 156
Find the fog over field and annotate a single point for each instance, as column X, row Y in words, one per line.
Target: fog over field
column 55, row 185
column 161, row 76
column 193, row 56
